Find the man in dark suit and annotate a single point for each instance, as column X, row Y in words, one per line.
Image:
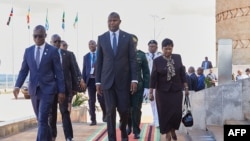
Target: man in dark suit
column 116, row 74
column 46, row 79
column 67, row 63
column 88, row 74
column 206, row 64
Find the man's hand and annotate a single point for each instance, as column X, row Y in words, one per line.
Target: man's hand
column 16, row 92
column 69, row 107
column 61, row 98
column 98, row 89
column 186, row 92
column 133, row 87
column 151, row 97
column 83, row 85
column 145, row 93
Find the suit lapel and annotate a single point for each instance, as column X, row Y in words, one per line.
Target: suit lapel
column 120, row 41
column 88, row 61
column 32, row 55
column 109, row 45
column 44, row 54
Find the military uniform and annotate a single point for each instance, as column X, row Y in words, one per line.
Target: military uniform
column 136, row 99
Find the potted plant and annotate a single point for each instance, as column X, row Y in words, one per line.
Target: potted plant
column 25, row 92
column 79, row 109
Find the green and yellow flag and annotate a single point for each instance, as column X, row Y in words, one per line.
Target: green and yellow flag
column 76, row 20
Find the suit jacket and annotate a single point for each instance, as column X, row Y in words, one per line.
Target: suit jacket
column 87, row 67
column 159, row 75
column 49, row 76
column 68, row 71
column 77, row 74
column 119, row 69
column 209, row 65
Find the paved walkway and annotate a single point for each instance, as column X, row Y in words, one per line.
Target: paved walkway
column 12, row 109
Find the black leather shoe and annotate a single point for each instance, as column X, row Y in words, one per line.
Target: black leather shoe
column 69, row 139
column 92, row 123
column 128, row 131
column 136, row 136
column 124, row 139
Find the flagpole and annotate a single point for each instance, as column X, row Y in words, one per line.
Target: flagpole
column 12, row 45
column 77, row 42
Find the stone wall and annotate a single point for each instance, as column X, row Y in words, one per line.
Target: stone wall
column 215, row 105
column 232, row 21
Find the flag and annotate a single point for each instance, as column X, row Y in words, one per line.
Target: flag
column 46, row 21
column 28, row 18
column 11, row 14
column 76, row 20
column 63, row 20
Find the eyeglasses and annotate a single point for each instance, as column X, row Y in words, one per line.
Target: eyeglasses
column 38, row 36
column 57, row 41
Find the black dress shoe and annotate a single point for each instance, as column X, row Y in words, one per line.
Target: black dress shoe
column 124, row 139
column 128, row 131
column 136, row 136
column 92, row 123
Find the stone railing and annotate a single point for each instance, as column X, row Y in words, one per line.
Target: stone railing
column 214, row 105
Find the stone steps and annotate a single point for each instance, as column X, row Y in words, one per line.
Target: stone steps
column 216, row 131
column 200, row 135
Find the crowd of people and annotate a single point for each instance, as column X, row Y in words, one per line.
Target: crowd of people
column 161, row 77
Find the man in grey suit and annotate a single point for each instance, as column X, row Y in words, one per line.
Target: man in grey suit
column 116, row 74
column 46, row 79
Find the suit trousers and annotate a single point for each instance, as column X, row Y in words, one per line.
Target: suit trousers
column 134, row 119
column 116, row 98
column 41, row 105
column 92, row 100
column 66, row 120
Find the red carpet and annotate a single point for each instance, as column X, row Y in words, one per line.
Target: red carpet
column 148, row 133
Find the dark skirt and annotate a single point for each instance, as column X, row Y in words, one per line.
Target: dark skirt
column 169, row 106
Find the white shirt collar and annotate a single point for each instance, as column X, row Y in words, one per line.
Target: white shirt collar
column 116, row 33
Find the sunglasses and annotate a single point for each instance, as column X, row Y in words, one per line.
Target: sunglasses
column 57, row 41
column 38, row 36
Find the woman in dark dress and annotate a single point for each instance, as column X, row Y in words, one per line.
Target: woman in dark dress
column 169, row 79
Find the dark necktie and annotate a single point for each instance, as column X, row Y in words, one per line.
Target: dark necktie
column 38, row 56
column 60, row 55
column 93, row 59
column 153, row 56
column 114, row 43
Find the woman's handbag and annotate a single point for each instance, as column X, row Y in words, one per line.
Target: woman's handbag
column 187, row 118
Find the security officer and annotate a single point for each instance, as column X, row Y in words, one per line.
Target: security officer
column 136, row 99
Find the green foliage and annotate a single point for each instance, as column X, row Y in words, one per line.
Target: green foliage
column 208, row 82
column 79, row 99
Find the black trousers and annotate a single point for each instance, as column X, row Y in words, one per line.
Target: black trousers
column 134, row 119
column 92, row 100
column 66, row 120
column 116, row 98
